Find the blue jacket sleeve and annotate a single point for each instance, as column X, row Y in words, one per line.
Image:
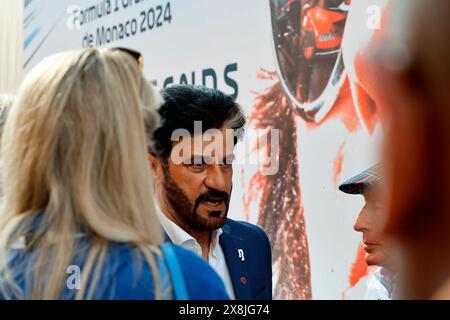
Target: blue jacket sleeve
column 202, row 282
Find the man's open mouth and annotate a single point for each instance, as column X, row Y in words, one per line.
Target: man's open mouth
column 215, row 204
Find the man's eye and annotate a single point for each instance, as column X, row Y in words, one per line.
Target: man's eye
column 197, row 165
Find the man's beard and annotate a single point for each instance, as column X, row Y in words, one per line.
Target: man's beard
column 187, row 211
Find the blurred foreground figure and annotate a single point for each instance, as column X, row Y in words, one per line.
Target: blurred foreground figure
column 414, row 62
column 77, row 219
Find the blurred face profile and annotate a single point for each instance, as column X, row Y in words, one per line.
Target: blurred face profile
column 197, row 185
column 371, row 222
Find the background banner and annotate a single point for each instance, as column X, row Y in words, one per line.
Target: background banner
column 294, row 66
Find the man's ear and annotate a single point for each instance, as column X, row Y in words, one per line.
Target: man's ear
column 156, row 166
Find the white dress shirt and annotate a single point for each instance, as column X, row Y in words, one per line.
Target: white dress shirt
column 216, row 258
column 380, row 285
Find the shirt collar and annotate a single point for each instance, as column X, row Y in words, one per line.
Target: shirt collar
column 215, row 241
column 176, row 234
column 386, row 278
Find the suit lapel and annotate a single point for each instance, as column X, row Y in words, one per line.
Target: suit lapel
column 238, row 269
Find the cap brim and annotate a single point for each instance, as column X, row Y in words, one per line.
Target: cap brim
column 352, row 188
column 360, row 182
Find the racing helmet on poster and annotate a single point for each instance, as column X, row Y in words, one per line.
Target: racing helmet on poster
column 307, row 37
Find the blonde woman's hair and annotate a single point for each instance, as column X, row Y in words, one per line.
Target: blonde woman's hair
column 73, row 149
column 6, row 100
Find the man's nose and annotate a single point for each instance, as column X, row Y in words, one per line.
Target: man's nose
column 216, row 178
column 360, row 225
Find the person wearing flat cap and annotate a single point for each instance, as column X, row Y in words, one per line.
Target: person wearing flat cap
column 370, row 222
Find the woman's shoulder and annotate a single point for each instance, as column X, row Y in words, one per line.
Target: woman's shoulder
column 202, row 282
column 127, row 275
column 134, row 278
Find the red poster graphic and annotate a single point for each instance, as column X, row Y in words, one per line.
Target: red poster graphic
column 311, row 83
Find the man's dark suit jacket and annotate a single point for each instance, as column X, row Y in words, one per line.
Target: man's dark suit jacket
column 249, row 259
column 248, row 256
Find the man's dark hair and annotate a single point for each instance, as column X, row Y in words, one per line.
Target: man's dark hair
column 186, row 104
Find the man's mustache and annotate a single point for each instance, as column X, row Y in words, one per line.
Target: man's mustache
column 212, row 195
